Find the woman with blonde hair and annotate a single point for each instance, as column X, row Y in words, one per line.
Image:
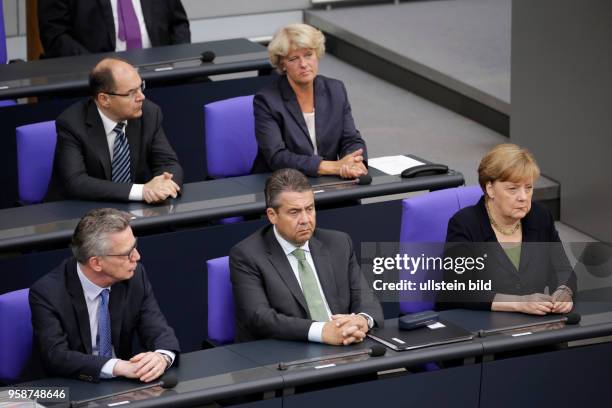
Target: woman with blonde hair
column 303, row 120
column 525, row 261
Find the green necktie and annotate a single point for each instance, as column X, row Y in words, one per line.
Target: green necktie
column 314, row 300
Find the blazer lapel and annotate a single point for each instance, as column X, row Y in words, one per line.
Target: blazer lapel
column 116, row 309
column 294, row 108
column 77, row 298
column 132, row 132
column 529, row 237
column 97, row 138
column 491, row 241
column 322, row 261
column 147, row 14
column 321, row 103
column 107, row 14
column 279, row 260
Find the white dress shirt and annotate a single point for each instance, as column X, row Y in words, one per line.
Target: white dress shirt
column 109, row 126
column 309, row 118
column 121, row 45
column 315, row 333
column 92, row 300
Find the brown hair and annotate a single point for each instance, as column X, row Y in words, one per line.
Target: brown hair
column 284, row 180
column 507, row 162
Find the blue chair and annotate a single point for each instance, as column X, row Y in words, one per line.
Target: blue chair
column 423, row 231
column 231, row 146
column 220, row 302
column 3, row 55
column 15, row 334
column 35, row 153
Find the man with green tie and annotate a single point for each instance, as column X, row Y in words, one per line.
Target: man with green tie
column 295, row 282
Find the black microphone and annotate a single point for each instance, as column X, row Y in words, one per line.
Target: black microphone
column 375, row 351
column 359, row 181
column 207, row 56
column 167, row 381
column 570, row 318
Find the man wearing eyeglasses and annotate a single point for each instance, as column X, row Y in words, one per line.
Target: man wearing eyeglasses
column 87, row 312
column 112, row 146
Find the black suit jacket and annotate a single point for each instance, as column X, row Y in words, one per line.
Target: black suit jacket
column 282, row 135
column 75, row 27
column 543, row 262
column 82, row 165
column 61, row 322
column 268, row 298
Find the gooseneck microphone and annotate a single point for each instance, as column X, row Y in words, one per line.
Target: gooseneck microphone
column 360, row 181
column 167, row 381
column 570, row 318
column 375, row 351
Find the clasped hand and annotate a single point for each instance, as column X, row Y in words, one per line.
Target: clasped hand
column 541, row 304
column 144, row 366
column 351, row 165
column 345, row 329
column 159, row 188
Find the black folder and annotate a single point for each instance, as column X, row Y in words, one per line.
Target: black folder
column 443, row 332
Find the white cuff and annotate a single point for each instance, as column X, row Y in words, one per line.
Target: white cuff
column 169, row 354
column 136, row 192
column 107, row 369
column 368, row 318
column 315, row 333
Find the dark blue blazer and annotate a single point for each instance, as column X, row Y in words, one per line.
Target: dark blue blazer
column 61, row 322
column 543, row 261
column 282, row 135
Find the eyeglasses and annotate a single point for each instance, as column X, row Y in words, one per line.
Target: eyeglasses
column 130, row 254
column 131, row 93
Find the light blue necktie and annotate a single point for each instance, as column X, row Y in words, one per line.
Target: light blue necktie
column 121, row 157
column 105, row 347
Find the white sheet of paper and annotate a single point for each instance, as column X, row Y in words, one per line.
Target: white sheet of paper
column 393, row 165
column 436, row 325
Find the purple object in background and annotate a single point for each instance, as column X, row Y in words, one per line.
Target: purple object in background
column 220, row 301
column 425, row 220
column 35, row 154
column 129, row 29
column 15, row 334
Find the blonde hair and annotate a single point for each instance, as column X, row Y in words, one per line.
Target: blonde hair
column 507, row 162
column 294, row 37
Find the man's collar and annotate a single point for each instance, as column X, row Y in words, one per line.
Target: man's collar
column 90, row 289
column 108, row 123
column 287, row 246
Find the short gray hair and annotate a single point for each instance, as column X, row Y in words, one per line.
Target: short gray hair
column 294, row 37
column 284, row 180
column 90, row 236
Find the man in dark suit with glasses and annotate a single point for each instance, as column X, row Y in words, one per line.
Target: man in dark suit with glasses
column 112, row 146
column 87, row 312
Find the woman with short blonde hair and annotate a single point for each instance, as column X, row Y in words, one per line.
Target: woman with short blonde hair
column 506, row 225
column 303, row 120
column 295, row 36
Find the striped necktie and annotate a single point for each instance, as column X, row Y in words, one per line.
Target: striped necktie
column 121, row 157
column 105, row 347
column 312, row 294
